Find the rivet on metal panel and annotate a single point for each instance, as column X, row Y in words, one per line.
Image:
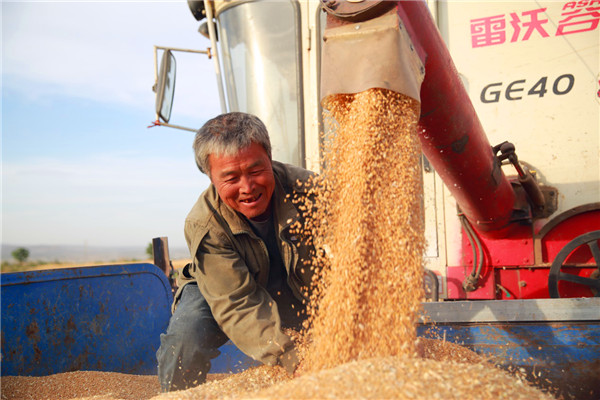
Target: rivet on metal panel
column 331, row 4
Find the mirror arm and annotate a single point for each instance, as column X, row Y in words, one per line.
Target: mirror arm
column 183, row 128
column 207, row 51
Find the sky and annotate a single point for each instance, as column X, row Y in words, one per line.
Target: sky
column 79, row 164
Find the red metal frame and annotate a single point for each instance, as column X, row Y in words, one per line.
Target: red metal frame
column 510, row 270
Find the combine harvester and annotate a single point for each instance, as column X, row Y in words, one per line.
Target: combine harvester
column 512, row 263
column 513, row 242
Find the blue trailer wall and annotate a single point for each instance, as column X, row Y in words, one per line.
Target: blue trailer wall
column 104, row 318
column 555, row 342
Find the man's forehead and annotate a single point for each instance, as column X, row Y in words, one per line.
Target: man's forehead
column 249, row 157
column 229, row 169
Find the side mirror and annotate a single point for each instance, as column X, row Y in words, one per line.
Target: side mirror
column 165, row 86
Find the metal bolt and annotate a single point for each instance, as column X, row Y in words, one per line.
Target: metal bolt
column 330, row 3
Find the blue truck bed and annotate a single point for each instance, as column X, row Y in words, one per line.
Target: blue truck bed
column 109, row 318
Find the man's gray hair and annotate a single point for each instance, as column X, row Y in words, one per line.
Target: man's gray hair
column 226, row 135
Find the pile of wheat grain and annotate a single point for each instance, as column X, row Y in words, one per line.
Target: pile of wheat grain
column 80, row 384
column 240, row 385
column 404, row 377
column 445, row 371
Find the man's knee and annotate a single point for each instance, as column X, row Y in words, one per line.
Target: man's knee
column 191, row 341
column 193, row 322
column 182, row 363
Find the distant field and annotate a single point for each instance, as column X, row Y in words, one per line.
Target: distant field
column 64, row 254
column 33, row 266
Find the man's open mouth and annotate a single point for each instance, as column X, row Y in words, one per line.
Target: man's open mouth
column 251, row 200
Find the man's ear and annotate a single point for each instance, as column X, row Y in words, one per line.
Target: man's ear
column 207, row 173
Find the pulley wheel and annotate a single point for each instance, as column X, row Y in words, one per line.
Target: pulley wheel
column 589, row 239
column 431, row 285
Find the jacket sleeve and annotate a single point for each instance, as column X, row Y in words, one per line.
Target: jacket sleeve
column 244, row 310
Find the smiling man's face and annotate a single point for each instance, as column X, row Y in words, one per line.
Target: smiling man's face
column 245, row 181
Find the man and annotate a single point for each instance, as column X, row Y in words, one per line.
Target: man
column 247, row 279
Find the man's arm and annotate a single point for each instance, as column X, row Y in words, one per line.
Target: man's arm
column 243, row 309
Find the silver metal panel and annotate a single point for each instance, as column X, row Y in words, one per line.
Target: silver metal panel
column 577, row 309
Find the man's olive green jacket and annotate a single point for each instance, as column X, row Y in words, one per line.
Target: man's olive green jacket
column 231, row 266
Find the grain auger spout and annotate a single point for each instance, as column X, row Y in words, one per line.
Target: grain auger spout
column 395, row 45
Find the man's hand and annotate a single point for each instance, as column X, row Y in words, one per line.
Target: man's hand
column 289, row 360
column 299, row 369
